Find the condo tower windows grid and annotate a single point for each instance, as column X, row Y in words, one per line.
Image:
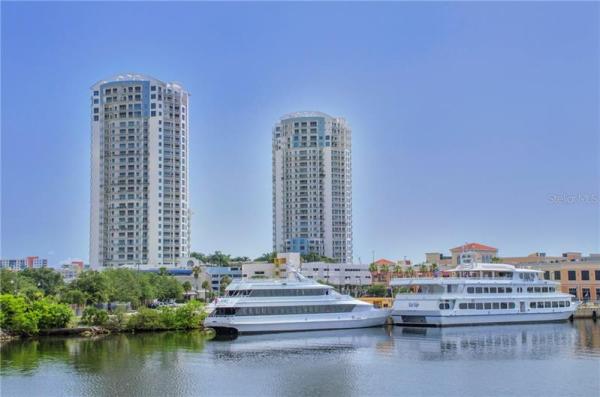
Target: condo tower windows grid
column 139, row 184
column 312, row 185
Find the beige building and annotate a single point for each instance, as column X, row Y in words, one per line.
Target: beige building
column 473, row 252
column 577, row 277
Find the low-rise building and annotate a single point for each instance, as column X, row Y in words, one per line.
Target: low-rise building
column 252, row 270
column 30, row 262
column 438, row 259
column 578, row 277
column 338, row 274
column 70, row 269
column 216, row 274
column 473, row 252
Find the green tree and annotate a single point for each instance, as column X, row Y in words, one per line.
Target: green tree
column 199, row 255
column 196, row 270
column 219, row 258
column 167, row 287
column 187, row 286
column 94, row 316
column 124, row 285
column 51, row 314
column 373, row 268
column 225, row 281
column 46, row 279
column 94, row 286
column 267, row 257
column 376, row 290
column 15, row 316
column 240, row 259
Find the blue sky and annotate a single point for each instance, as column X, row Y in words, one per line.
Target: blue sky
column 467, row 118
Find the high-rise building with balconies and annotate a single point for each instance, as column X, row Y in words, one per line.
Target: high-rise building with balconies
column 312, row 185
column 139, row 164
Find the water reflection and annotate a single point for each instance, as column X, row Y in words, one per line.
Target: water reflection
column 565, row 359
column 105, row 353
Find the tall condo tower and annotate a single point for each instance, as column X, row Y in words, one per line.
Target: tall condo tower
column 139, row 183
column 312, row 185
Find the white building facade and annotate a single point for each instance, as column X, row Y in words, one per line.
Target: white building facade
column 338, row 274
column 312, row 185
column 139, row 162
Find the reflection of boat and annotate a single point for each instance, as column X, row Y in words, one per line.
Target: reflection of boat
column 293, row 304
column 485, row 342
column 481, row 293
column 314, row 340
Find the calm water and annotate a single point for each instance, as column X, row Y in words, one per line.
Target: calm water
column 514, row 360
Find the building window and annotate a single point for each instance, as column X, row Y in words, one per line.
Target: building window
column 573, row 291
column 585, row 275
column 597, row 276
column 586, row 294
column 557, row 274
column 547, row 275
column 572, row 276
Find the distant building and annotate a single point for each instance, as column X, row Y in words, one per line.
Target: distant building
column 473, row 253
column 579, row 277
column 216, row 274
column 439, row 259
column 383, row 270
column 30, row 262
column 338, row 274
column 70, row 269
column 312, row 185
column 139, row 172
column 258, row 270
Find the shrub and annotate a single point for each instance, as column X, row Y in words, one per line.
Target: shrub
column 51, row 314
column 94, row 316
column 16, row 317
column 145, row 319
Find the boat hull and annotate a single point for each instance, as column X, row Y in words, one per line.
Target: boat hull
column 252, row 325
column 433, row 320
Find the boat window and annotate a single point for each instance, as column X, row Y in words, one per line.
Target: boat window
column 530, row 289
column 552, row 289
column 462, row 306
column 496, row 305
column 547, row 304
column 508, row 290
column 493, row 290
column 554, row 304
column 479, row 306
column 444, row 306
column 486, row 290
column 471, row 306
column 470, row 290
column 567, row 303
column 487, row 306
column 540, row 305
column 532, row 305
column 511, row 305
column 544, row 289
column 561, row 304
column 537, row 289
column 500, row 290
column 503, row 305
column 478, row 290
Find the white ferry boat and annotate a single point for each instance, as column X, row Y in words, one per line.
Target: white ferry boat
column 293, row 304
column 480, row 293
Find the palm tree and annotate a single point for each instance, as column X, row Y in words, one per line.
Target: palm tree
column 398, row 270
column 410, row 272
column 434, row 267
column 225, row 281
column 196, row 272
column 423, row 268
column 373, row 268
column 206, row 287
